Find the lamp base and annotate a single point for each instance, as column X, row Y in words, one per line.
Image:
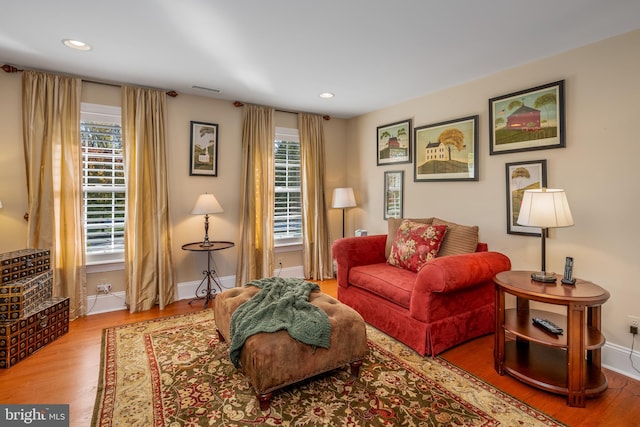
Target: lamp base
column 544, row 277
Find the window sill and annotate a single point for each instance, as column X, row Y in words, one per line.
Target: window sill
column 101, row 267
column 288, row 247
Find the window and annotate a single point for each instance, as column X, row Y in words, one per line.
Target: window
column 288, row 200
column 103, row 183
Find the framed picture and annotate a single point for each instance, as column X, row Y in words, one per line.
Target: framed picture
column 204, row 149
column 394, row 143
column 523, row 176
column 447, row 151
column 531, row 119
column 393, row 194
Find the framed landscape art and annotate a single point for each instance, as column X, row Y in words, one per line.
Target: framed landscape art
column 447, row 151
column 394, row 143
column 521, row 176
column 531, row 119
column 204, row 149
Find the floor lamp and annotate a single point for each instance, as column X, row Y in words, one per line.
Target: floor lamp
column 343, row 198
column 545, row 208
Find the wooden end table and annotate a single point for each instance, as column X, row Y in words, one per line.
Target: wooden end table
column 567, row 364
column 210, row 276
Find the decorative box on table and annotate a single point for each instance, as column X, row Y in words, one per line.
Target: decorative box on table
column 30, row 318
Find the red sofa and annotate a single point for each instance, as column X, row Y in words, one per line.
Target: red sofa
column 450, row 300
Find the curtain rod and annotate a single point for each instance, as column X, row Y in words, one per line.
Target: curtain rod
column 11, row 69
column 241, row 104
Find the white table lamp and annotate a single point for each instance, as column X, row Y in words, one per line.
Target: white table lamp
column 206, row 204
column 545, row 208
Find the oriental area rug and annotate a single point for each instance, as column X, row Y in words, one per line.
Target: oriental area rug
column 174, row 371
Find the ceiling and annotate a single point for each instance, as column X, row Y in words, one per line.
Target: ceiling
column 370, row 53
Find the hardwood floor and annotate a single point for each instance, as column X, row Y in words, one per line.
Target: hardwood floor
column 66, row 371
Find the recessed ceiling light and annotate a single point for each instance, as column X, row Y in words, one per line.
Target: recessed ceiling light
column 76, row 44
column 326, row 95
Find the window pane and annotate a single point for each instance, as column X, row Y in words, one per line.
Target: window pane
column 288, row 206
column 103, row 179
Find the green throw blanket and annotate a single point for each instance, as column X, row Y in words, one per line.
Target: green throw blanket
column 283, row 303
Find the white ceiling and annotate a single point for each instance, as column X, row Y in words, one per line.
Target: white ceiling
column 370, row 53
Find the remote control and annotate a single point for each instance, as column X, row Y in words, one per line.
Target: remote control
column 548, row 326
column 568, row 279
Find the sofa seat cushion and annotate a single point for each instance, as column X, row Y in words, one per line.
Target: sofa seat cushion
column 389, row 282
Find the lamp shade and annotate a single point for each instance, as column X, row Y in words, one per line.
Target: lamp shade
column 343, row 198
column 545, row 208
column 0, row 204
column 206, row 204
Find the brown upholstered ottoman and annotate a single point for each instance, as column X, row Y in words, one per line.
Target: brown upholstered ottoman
column 274, row 360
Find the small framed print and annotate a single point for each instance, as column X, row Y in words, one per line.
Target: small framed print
column 393, row 194
column 521, row 176
column 531, row 119
column 204, row 149
column 447, row 151
column 394, row 143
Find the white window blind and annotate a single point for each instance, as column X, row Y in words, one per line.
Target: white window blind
column 103, row 183
column 288, row 200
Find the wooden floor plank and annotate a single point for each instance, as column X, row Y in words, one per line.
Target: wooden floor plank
column 66, row 371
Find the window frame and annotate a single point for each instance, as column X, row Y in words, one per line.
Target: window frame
column 106, row 259
column 283, row 244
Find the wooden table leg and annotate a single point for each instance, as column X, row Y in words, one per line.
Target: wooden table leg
column 576, row 369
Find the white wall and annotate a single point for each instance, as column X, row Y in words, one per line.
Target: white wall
column 598, row 169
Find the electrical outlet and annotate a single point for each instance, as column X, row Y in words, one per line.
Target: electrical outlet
column 633, row 324
column 104, row 288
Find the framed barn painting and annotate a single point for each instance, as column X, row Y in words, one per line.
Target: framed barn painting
column 523, row 176
column 447, row 151
column 394, row 143
column 204, row 149
column 531, row 119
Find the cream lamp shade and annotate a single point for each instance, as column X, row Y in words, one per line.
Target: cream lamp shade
column 206, row 204
column 0, row 204
column 544, row 208
column 343, row 198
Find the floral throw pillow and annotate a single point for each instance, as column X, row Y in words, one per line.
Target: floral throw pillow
column 415, row 244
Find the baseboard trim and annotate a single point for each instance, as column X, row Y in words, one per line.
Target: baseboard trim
column 186, row 291
column 618, row 358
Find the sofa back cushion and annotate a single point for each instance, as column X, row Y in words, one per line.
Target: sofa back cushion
column 415, row 244
column 460, row 239
column 393, row 224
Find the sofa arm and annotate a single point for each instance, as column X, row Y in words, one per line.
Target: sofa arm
column 455, row 273
column 353, row 251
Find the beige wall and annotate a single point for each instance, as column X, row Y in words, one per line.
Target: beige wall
column 183, row 188
column 598, row 169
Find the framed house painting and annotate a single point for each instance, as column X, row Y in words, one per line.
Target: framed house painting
column 204, row 149
column 531, row 119
column 394, row 143
column 521, row 176
column 393, row 194
column 447, row 151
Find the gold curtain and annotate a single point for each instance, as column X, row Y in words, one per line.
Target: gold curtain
column 150, row 278
column 53, row 158
column 255, row 248
column 317, row 262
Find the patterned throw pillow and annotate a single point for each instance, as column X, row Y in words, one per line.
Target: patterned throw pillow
column 416, row 244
